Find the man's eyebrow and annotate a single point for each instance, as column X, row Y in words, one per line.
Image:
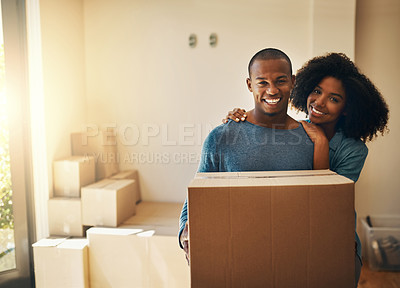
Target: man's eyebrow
column 335, row 94
column 279, row 77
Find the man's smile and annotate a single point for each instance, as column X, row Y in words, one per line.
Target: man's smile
column 272, row 101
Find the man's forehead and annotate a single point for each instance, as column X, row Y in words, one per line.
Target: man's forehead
column 279, row 66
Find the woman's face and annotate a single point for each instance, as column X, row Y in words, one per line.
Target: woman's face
column 326, row 102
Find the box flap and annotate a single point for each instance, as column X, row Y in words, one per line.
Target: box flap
column 49, row 242
column 74, row 243
column 113, row 231
column 110, row 184
column 268, row 178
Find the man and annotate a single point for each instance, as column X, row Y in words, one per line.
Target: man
column 270, row 140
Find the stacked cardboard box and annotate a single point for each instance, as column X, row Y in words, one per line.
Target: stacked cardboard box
column 142, row 252
column 88, row 191
column 133, row 257
column 108, row 202
column 271, row 229
column 130, row 174
column 61, row 262
column 65, row 217
column 69, row 175
column 102, row 146
column 156, row 214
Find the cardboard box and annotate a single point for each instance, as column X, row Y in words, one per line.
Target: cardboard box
column 156, row 214
column 271, row 229
column 130, row 174
column 381, row 242
column 65, row 217
column 71, row 173
column 136, row 256
column 61, row 262
column 102, row 145
column 108, row 202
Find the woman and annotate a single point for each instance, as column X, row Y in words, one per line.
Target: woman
column 345, row 110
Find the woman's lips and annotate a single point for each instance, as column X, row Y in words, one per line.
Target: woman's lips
column 316, row 111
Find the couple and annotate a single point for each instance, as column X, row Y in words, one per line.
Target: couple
column 344, row 109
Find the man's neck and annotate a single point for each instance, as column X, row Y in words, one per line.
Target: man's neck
column 276, row 121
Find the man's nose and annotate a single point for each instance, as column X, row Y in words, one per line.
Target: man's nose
column 272, row 90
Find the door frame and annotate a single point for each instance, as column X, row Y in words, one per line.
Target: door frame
column 16, row 67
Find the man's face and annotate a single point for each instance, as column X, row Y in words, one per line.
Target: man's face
column 271, row 83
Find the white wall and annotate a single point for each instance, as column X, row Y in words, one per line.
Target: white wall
column 63, row 75
column 377, row 54
column 143, row 78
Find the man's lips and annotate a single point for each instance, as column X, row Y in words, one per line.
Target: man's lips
column 271, row 101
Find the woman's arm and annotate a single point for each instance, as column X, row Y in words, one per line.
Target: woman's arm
column 349, row 158
column 236, row 115
column 321, row 145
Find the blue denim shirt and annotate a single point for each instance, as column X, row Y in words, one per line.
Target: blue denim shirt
column 347, row 157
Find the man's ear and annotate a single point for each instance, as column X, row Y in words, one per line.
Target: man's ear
column 293, row 79
column 248, row 82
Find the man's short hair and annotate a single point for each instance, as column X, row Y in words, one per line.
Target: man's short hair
column 270, row 53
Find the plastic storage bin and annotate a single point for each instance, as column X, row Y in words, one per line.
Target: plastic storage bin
column 381, row 242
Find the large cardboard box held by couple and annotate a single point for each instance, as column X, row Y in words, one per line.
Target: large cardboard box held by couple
column 271, row 229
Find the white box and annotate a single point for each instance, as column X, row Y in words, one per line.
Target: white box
column 102, row 146
column 122, row 257
column 65, row 217
column 70, row 174
column 61, row 262
column 381, row 242
column 130, row 174
column 108, row 202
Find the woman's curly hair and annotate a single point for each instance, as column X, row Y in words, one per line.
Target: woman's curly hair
column 366, row 110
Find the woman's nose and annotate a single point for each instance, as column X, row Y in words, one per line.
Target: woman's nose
column 320, row 101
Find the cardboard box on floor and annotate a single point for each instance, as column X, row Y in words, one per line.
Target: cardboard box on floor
column 108, row 202
column 136, row 256
column 156, row 213
column 71, row 173
column 130, row 174
column 65, row 217
column 271, row 229
column 61, row 263
column 102, row 145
